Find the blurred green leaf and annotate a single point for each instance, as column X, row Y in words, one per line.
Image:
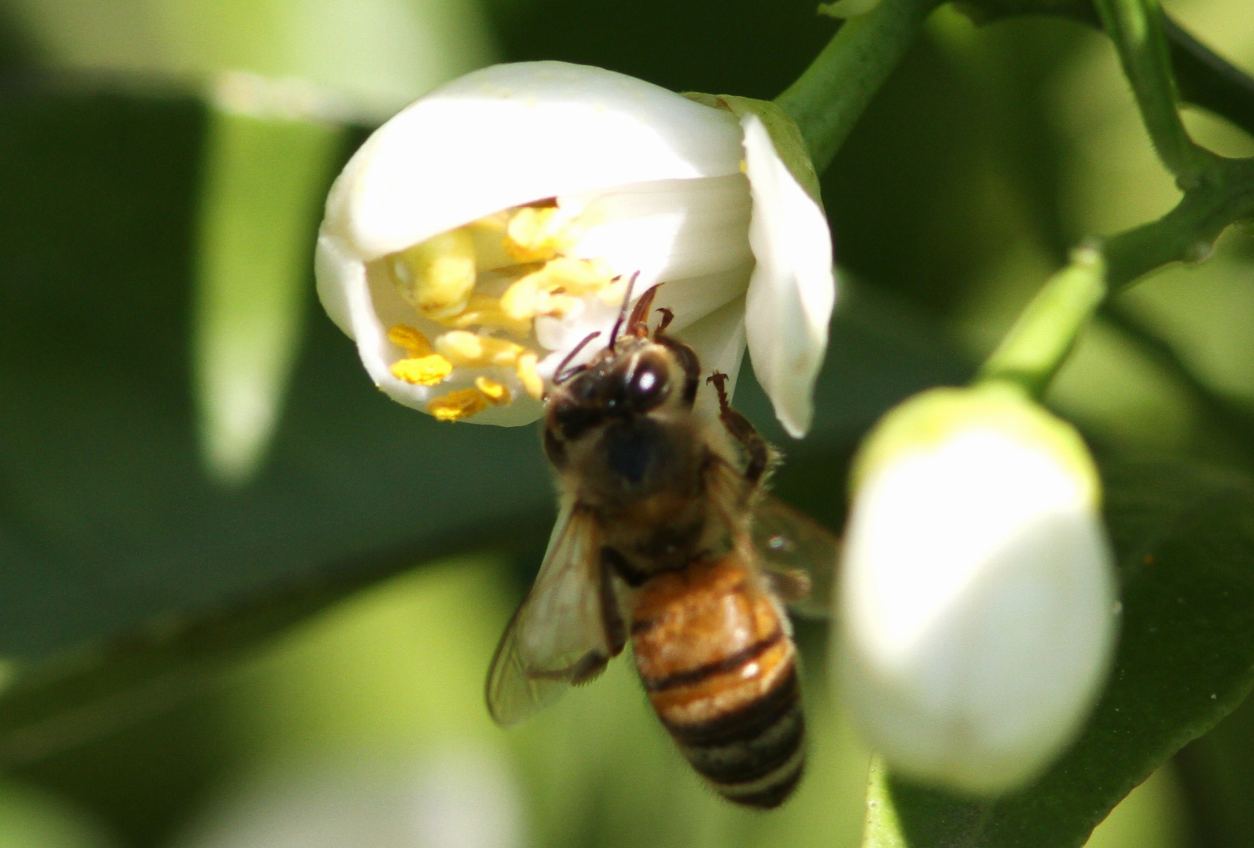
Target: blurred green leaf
column 1217, row 775
column 378, row 54
column 30, row 817
column 108, row 521
column 1184, row 537
column 263, row 178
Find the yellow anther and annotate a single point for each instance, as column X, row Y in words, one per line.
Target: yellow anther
column 522, row 300
column 537, row 233
column 553, row 288
column 465, row 348
column 436, row 276
column 491, row 250
column 410, row 339
column 457, row 405
column 496, row 393
column 430, row 370
column 614, row 292
column 578, row 276
column 485, row 311
column 527, row 373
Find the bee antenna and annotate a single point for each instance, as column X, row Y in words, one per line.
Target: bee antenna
column 622, row 311
column 562, row 374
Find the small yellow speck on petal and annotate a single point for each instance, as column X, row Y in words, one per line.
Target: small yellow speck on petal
column 410, row 339
column 430, row 370
column 457, row 405
column 496, row 393
column 529, row 375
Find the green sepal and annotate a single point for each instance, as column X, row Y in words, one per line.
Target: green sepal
column 783, row 130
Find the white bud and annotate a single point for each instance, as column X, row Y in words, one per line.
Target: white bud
column 977, row 596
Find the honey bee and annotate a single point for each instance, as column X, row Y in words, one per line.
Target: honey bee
column 665, row 536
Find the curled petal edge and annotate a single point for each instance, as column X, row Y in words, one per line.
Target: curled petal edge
column 793, row 289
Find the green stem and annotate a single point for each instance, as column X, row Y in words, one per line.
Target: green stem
column 1204, row 78
column 1136, row 28
column 1040, row 341
column 1042, row 337
column 831, row 94
column 1210, row 81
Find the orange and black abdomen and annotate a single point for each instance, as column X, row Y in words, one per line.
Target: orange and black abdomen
column 719, row 667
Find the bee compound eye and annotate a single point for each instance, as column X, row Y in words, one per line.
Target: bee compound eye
column 648, row 384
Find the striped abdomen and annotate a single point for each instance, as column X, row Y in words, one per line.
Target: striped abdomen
column 718, row 664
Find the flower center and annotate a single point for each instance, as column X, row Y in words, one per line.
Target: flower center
column 483, row 285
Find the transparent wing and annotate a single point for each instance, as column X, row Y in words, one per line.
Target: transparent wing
column 558, row 635
column 798, row 554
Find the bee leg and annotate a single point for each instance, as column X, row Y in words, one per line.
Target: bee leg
column 611, row 612
column 791, row 585
column 613, row 561
column 665, row 321
column 589, row 666
column 756, row 451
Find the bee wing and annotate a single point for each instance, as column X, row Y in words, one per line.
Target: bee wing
column 558, row 635
column 798, row 554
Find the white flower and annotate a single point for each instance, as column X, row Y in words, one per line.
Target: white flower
column 482, row 233
column 977, row 601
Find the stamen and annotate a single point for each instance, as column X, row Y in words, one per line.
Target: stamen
column 410, row 339
column 466, row 348
column 552, row 289
column 578, row 276
column 537, row 233
column 457, row 405
column 527, row 372
column 496, row 393
column 430, row 370
column 485, row 311
column 436, row 276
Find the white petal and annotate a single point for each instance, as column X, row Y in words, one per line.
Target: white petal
column 669, row 229
column 512, row 134
column 792, row 290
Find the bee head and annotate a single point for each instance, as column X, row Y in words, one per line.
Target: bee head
column 636, row 378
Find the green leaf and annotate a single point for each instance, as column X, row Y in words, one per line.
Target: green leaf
column 1184, row 537
column 264, row 172
column 115, row 543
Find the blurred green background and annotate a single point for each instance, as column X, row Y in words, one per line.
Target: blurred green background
column 246, row 600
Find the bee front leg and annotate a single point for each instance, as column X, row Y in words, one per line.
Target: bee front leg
column 611, row 613
column 757, row 452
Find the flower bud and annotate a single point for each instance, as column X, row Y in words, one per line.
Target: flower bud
column 976, row 605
